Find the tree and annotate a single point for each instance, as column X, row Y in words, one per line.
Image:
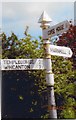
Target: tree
column 10, row 46
column 29, row 47
column 69, row 39
column 13, row 83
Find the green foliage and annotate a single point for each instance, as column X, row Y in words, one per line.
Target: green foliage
column 69, row 109
column 29, row 47
column 69, row 39
column 9, row 46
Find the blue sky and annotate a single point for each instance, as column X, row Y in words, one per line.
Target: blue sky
column 17, row 15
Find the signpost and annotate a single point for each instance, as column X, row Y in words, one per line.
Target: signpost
column 22, row 64
column 49, row 75
column 43, row 64
column 56, row 29
column 35, row 64
column 60, row 51
column 49, row 50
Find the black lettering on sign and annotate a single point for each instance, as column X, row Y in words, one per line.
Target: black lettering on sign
column 6, row 61
column 17, row 67
column 31, row 61
column 39, row 64
column 60, row 28
column 52, row 31
column 26, row 67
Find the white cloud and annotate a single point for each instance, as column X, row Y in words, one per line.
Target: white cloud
column 38, row 1
column 0, row 15
column 17, row 15
column 30, row 10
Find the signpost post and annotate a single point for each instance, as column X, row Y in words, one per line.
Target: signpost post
column 45, row 20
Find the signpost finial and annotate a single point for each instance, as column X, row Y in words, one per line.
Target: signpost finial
column 44, row 18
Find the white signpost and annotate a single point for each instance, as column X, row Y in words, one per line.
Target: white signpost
column 41, row 64
column 47, row 33
column 22, row 64
column 60, row 51
column 56, row 29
